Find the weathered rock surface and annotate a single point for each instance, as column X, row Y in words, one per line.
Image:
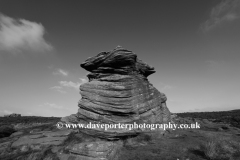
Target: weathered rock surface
column 99, row 150
column 80, row 146
column 4, row 145
column 42, row 138
column 118, row 91
column 16, row 134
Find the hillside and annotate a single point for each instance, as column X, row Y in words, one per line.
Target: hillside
column 231, row 117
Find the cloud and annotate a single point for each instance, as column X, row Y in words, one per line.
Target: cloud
column 225, row 11
column 5, row 112
column 71, row 84
column 20, row 34
column 29, row 114
column 222, row 69
column 58, row 88
column 214, row 65
column 83, row 80
column 52, row 105
column 68, row 84
column 167, row 87
column 61, row 72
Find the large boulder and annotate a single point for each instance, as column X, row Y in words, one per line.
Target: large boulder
column 118, row 92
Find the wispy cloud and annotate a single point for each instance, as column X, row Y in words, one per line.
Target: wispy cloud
column 20, row 34
column 58, row 88
column 29, row 114
column 61, row 72
column 225, row 11
column 165, row 87
column 212, row 63
column 69, row 84
column 83, row 80
column 5, row 112
column 52, row 105
column 219, row 68
column 215, row 64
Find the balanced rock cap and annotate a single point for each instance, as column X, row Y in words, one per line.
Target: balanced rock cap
column 119, row 60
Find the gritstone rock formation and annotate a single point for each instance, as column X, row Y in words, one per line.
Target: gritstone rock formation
column 118, row 91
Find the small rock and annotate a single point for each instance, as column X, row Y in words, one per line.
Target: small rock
column 4, row 145
column 225, row 127
column 70, row 119
column 35, row 147
column 220, row 129
column 16, row 134
column 63, row 156
column 35, row 130
column 56, row 149
column 58, row 133
column 45, row 138
column 33, row 156
column 24, row 148
column 100, row 149
column 206, row 121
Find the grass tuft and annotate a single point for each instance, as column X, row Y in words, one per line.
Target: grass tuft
column 219, row 148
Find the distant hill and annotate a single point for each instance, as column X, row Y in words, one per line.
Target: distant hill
column 232, row 117
column 28, row 119
column 235, row 110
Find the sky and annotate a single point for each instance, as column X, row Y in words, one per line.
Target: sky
column 194, row 46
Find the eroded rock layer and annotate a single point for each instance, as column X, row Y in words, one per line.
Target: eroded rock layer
column 118, row 91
